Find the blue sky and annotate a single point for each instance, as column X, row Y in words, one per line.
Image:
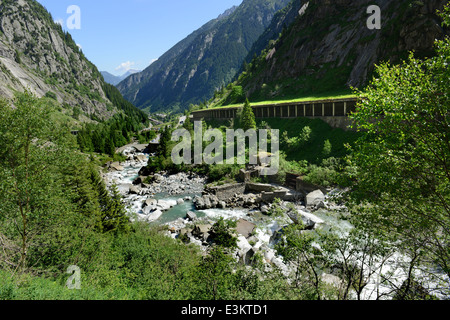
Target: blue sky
column 117, row 35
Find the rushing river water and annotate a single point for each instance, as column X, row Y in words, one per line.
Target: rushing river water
column 123, row 179
column 265, row 226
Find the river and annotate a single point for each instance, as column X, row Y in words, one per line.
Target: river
column 177, row 191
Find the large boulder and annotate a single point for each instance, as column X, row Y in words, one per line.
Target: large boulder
column 202, row 231
column 191, row 216
column 115, row 166
column 124, row 188
column 314, row 198
column 207, row 202
column 214, row 201
column 147, row 210
column 185, row 232
column 150, row 202
column 141, row 158
column 311, row 219
column 153, row 216
column 199, row 203
column 307, row 219
column 165, row 205
column 222, row 205
column 140, row 147
column 134, row 190
column 243, row 247
column 245, row 228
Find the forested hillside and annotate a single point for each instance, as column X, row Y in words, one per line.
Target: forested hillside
column 361, row 214
column 37, row 55
column 329, row 48
column 202, row 63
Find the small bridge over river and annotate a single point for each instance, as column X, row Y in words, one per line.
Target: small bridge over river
column 333, row 111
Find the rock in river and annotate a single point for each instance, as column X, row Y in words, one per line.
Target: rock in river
column 314, row 198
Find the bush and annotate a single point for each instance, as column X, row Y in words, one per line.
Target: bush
column 222, row 233
column 276, row 210
column 299, row 141
column 222, row 172
column 51, row 95
column 76, row 113
column 326, row 148
column 325, row 175
column 7, row 287
column 17, row 57
column 237, row 95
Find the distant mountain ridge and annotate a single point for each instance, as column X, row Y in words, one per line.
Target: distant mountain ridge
column 115, row 80
column 203, row 62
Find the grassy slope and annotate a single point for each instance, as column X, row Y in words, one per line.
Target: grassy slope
column 312, row 152
column 321, row 131
column 144, row 264
column 325, row 96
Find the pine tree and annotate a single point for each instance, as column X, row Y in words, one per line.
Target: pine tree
column 110, row 149
column 166, row 135
column 112, row 215
column 116, row 219
column 248, row 117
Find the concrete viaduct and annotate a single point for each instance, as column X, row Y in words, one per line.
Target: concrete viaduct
column 334, row 111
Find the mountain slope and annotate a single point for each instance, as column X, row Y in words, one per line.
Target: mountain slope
column 203, row 62
column 282, row 19
column 37, row 55
column 329, row 47
column 110, row 78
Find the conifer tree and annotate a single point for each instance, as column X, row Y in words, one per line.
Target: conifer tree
column 248, row 117
column 112, row 215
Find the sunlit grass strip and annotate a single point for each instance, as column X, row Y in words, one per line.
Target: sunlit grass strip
column 278, row 102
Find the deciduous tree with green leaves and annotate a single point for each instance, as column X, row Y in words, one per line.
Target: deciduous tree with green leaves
column 401, row 185
column 33, row 155
column 297, row 247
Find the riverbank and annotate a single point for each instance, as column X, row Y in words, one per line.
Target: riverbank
column 187, row 209
column 184, row 208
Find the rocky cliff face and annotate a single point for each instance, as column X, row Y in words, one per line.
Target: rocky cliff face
column 281, row 20
column 329, row 46
column 36, row 54
column 208, row 59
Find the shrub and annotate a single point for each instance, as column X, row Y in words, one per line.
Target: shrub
column 222, row 233
column 237, row 95
column 51, row 95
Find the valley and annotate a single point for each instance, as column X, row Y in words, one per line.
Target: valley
column 285, row 150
